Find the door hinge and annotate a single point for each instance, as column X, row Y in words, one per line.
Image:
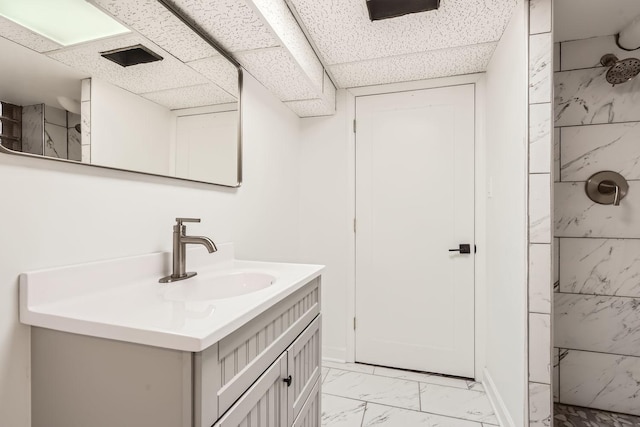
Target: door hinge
column 354, row 323
column 354, row 225
column 354, row 125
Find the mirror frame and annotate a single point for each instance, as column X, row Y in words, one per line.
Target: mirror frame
column 193, row 27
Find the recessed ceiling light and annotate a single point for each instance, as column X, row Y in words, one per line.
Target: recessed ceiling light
column 384, row 9
column 65, row 22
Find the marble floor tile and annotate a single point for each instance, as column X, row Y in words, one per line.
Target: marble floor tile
column 353, row 367
column 454, row 402
column 576, row 416
column 380, row 415
column 371, row 388
column 421, row 377
column 341, row 412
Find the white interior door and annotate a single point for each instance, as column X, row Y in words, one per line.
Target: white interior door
column 414, row 202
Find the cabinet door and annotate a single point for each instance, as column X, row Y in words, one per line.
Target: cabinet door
column 264, row 404
column 310, row 413
column 304, row 367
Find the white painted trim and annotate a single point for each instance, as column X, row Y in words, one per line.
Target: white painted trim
column 480, row 206
column 499, row 407
column 333, row 359
column 350, row 355
column 480, row 230
column 415, row 85
column 334, row 354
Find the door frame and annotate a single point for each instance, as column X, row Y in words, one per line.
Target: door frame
column 480, row 192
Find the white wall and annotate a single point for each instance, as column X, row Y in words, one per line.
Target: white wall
column 506, row 235
column 61, row 214
column 128, row 131
column 326, row 218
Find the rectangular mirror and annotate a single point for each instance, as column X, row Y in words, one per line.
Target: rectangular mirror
column 124, row 85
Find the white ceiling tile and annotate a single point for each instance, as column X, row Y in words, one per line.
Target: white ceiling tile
column 218, row 70
column 343, row 32
column 324, row 106
column 151, row 19
column 18, row 34
column 427, row 65
column 311, row 108
column 188, row 97
column 150, row 77
column 231, row 23
column 277, row 14
column 278, row 72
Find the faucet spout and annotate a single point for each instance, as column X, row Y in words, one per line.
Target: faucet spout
column 200, row 240
column 180, row 242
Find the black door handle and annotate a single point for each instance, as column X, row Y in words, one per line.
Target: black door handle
column 463, row 248
column 287, row 380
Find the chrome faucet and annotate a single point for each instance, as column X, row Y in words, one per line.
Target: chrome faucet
column 180, row 241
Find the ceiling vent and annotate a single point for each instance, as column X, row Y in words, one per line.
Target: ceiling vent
column 384, row 9
column 133, row 55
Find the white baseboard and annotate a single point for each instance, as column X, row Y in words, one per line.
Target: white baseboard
column 500, row 409
column 334, row 354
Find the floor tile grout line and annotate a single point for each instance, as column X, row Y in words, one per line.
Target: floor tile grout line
column 363, row 414
column 407, row 409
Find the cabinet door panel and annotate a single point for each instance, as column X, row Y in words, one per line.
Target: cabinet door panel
column 270, row 334
column 310, row 412
column 264, row 404
column 304, row 366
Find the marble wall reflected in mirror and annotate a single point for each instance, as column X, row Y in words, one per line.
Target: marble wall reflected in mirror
column 177, row 117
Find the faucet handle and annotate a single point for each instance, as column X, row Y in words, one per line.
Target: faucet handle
column 181, row 220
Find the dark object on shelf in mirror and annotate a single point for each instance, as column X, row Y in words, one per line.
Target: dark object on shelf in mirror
column 11, row 126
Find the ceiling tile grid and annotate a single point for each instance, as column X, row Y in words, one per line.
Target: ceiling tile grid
column 343, row 33
column 231, row 23
column 279, row 72
column 218, row 70
column 168, row 73
column 24, row 37
column 427, row 65
column 151, row 19
column 277, row 15
column 189, row 97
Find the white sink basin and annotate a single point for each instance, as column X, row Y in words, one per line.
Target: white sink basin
column 219, row 286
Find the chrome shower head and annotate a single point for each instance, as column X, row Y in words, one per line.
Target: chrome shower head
column 621, row 70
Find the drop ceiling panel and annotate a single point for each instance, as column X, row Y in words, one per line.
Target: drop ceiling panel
column 231, row 23
column 188, row 97
column 17, row 33
column 151, row 19
column 343, row 33
column 166, row 74
column 324, row 106
column 278, row 72
column 427, row 65
column 218, row 70
column 285, row 27
column 311, row 108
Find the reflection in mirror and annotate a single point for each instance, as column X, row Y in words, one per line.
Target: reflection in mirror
column 174, row 113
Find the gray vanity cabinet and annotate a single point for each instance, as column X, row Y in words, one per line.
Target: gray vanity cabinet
column 273, row 402
column 79, row 380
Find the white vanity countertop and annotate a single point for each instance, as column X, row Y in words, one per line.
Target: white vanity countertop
column 121, row 299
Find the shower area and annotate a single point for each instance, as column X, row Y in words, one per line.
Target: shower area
column 596, row 256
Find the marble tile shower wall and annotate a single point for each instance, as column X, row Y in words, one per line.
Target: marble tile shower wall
column 597, row 269
column 540, row 199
